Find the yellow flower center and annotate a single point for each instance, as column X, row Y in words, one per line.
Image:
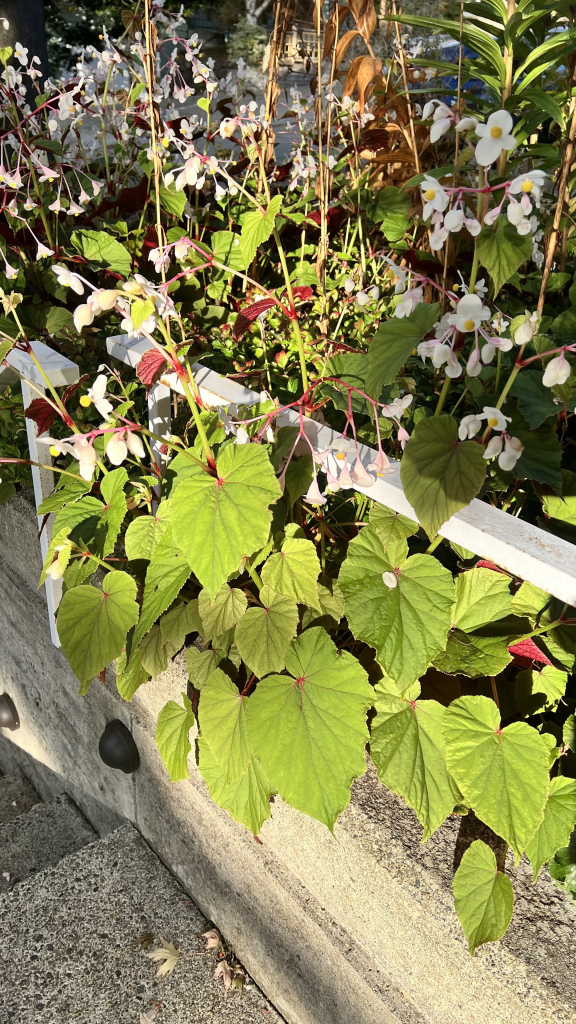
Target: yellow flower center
column 54, row 451
column 85, row 401
column 492, row 422
column 429, row 194
column 455, row 287
column 340, row 456
column 469, row 325
column 496, row 132
column 165, row 143
column 527, row 186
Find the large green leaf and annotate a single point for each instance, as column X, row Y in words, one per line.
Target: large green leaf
column 389, row 525
column 153, row 653
column 440, row 473
column 564, row 507
column 559, row 821
column 483, row 896
column 473, row 656
column 167, row 573
column 264, row 634
column 502, row 251
column 217, row 521
column 200, row 665
column 223, row 612
column 309, row 728
column 68, row 492
column 293, row 572
column 226, row 248
column 172, row 729
column 482, row 596
column 257, row 228
column 96, row 523
column 539, row 687
column 407, row 624
column 542, row 455
column 407, row 747
column 144, row 533
column 390, row 210
column 178, row 622
column 93, row 624
column 222, row 718
column 247, row 798
column 393, row 344
column 535, row 401
column 503, row 773
column 103, row 248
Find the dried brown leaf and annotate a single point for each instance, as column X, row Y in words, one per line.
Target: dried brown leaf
column 213, row 938
column 225, row 972
column 342, row 48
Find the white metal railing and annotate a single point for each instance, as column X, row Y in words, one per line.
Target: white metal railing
column 61, row 372
column 524, row 550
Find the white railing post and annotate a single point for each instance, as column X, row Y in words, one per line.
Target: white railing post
column 61, row 372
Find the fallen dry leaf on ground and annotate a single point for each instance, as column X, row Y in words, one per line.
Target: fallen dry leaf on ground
column 213, row 938
column 151, row 1014
column 169, row 954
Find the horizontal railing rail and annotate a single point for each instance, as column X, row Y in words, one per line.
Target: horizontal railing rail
column 522, row 549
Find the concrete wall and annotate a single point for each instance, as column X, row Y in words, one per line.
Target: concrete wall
column 352, row 928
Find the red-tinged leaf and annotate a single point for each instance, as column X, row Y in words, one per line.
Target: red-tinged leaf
column 151, row 367
column 485, row 564
column 73, row 388
column 249, row 314
column 303, row 292
column 42, row 413
column 528, row 649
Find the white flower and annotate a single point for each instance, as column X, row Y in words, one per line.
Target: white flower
column 531, row 183
column 360, row 476
column 381, row 464
column 474, row 364
column 454, row 220
column 389, row 578
column 526, row 331
column 410, row 300
column 362, row 298
column 556, row 372
column 189, row 173
column 314, row 495
column 513, row 449
column 43, row 251
column 348, row 285
column 227, row 127
column 116, row 449
column 442, row 118
column 437, row 238
column 474, row 226
column 494, row 136
column 494, row 447
column 21, row 53
column 496, row 419
column 375, row 293
column 96, row 395
column 440, row 354
column 87, row 458
column 68, row 279
column 242, row 436
column 397, row 408
column 469, row 314
column 341, row 448
column 453, row 368
column 83, row 316
column 515, row 213
column 469, row 426
column 466, row 124
column 434, row 196
column 134, row 445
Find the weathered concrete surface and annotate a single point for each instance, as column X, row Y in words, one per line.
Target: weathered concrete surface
column 40, row 838
column 17, row 795
column 354, row 928
column 70, row 952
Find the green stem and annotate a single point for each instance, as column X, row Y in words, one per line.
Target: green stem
column 442, row 396
column 295, row 324
column 432, row 547
column 39, row 197
column 254, row 576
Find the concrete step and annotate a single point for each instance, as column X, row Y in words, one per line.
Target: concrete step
column 71, row 945
column 40, row 838
column 17, row 795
